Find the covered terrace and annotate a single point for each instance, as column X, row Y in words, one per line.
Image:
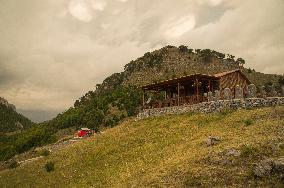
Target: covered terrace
column 188, row 89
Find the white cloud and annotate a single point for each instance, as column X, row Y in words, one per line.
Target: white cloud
column 80, row 10
column 210, row 2
column 215, row 2
column 180, row 27
column 105, row 25
column 98, row 4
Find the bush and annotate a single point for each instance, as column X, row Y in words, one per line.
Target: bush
column 44, row 152
column 110, row 122
column 7, row 151
column 13, row 164
column 183, row 48
column 248, row 151
column 248, row 122
column 49, row 166
column 36, row 136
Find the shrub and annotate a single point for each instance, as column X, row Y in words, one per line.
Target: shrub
column 7, row 151
column 249, row 70
column 281, row 80
column 49, row 166
column 110, row 122
column 248, row 122
column 248, row 151
column 44, row 152
column 183, row 48
column 13, row 164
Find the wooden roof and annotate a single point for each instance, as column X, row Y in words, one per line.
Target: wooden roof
column 225, row 73
column 174, row 81
column 219, row 75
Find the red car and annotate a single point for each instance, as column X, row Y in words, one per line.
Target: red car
column 84, row 132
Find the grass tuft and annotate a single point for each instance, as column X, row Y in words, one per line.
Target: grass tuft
column 248, row 122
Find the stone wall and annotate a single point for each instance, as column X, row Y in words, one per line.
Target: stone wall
column 214, row 106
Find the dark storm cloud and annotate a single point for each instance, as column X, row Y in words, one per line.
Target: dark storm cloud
column 52, row 52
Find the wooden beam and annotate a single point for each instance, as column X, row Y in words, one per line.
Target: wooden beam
column 238, row 82
column 178, row 93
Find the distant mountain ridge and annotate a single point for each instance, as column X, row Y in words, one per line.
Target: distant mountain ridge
column 10, row 119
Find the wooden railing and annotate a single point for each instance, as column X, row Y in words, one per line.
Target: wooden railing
column 187, row 100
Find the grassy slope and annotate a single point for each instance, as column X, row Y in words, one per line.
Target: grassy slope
column 164, row 151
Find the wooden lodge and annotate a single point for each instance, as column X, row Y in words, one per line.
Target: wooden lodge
column 190, row 89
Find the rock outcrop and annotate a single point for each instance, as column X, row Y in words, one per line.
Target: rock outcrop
column 268, row 167
column 7, row 104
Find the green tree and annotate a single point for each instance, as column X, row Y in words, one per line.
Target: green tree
column 183, row 48
column 240, row 61
column 281, row 80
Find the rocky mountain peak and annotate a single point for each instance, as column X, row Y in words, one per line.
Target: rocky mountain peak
column 4, row 102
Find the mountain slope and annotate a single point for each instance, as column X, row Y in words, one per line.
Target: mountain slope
column 171, row 62
column 168, row 151
column 10, row 120
column 119, row 95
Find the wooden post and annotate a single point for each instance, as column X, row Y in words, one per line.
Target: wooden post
column 245, row 88
column 178, row 93
column 197, row 91
column 143, row 99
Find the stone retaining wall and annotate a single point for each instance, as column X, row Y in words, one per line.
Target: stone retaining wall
column 213, row 106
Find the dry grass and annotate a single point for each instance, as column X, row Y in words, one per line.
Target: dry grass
column 166, row 151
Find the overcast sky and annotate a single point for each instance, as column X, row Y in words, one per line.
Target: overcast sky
column 54, row 51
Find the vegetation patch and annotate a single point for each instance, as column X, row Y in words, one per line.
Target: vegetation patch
column 192, row 181
column 10, row 120
column 248, row 122
column 44, row 152
column 248, row 151
column 162, row 152
column 49, row 166
column 13, row 164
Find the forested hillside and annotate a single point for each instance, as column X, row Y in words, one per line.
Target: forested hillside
column 10, row 120
column 100, row 109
